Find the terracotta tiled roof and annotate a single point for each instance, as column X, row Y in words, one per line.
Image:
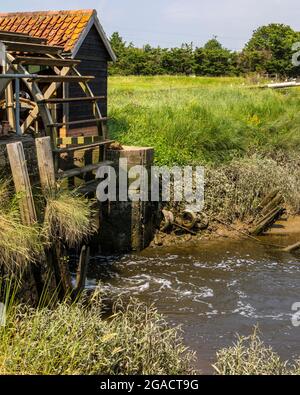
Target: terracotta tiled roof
column 62, row 28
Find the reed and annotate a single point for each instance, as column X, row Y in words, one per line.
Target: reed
column 68, row 217
column 75, row 339
column 250, row 356
column 20, row 245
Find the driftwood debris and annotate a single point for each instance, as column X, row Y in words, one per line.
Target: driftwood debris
column 272, row 205
column 189, row 219
column 292, row 248
column 186, row 222
column 184, row 228
column 168, row 220
column 271, row 210
column 268, row 221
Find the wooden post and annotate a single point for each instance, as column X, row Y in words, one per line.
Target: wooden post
column 56, row 254
column 45, row 164
column 9, row 97
column 22, row 182
column 27, row 208
column 82, row 270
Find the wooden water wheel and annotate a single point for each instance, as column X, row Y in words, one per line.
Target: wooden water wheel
column 44, row 102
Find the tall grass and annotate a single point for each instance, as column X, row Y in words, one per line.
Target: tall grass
column 250, row 356
column 68, row 217
column 202, row 120
column 77, row 340
column 20, row 245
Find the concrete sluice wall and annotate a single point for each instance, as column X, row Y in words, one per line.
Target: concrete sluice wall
column 125, row 225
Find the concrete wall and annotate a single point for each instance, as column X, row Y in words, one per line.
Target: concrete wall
column 128, row 226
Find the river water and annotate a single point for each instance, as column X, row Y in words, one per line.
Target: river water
column 214, row 290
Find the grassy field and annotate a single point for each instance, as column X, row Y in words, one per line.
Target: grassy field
column 202, row 120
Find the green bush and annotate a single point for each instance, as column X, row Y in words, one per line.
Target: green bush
column 75, row 339
column 250, row 356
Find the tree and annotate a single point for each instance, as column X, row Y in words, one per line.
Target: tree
column 215, row 60
column 179, row 60
column 270, row 51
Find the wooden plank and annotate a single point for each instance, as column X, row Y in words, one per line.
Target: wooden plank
column 18, row 37
column 89, row 187
column 41, row 61
column 292, row 248
column 32, row 48
column 82, row 270
column 22, row 182
column 47, row 94
column 83, row 147
column 77, row 140
column 82, row 170
column 83, row 122
column 61, row 78
column 4, row 82
column 10, row 105
column 45, row 164
column 73, row 99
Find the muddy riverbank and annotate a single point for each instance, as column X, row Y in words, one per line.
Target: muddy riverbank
column 285, row 227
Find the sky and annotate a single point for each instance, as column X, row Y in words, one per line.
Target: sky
column 169, row 23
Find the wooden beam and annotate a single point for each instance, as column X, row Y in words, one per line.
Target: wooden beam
column 32, row 48
column 22, row 182
column 82, row 170
column 83, row 122
column 41, row 61
column 45, row 164
column 77, row 140
column 10, row 105
column 4, row 82
column 42, row 109
column 83, row 147
column 62, row 78
column 73, row 99
column 47, row 94
column 22, row 38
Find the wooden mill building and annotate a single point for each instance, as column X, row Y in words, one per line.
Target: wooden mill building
column 82, row 38
column 55, row 74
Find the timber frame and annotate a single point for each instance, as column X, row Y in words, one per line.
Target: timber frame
column 45, row 93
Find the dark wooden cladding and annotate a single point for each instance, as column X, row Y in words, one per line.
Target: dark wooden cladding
column 94, row 61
